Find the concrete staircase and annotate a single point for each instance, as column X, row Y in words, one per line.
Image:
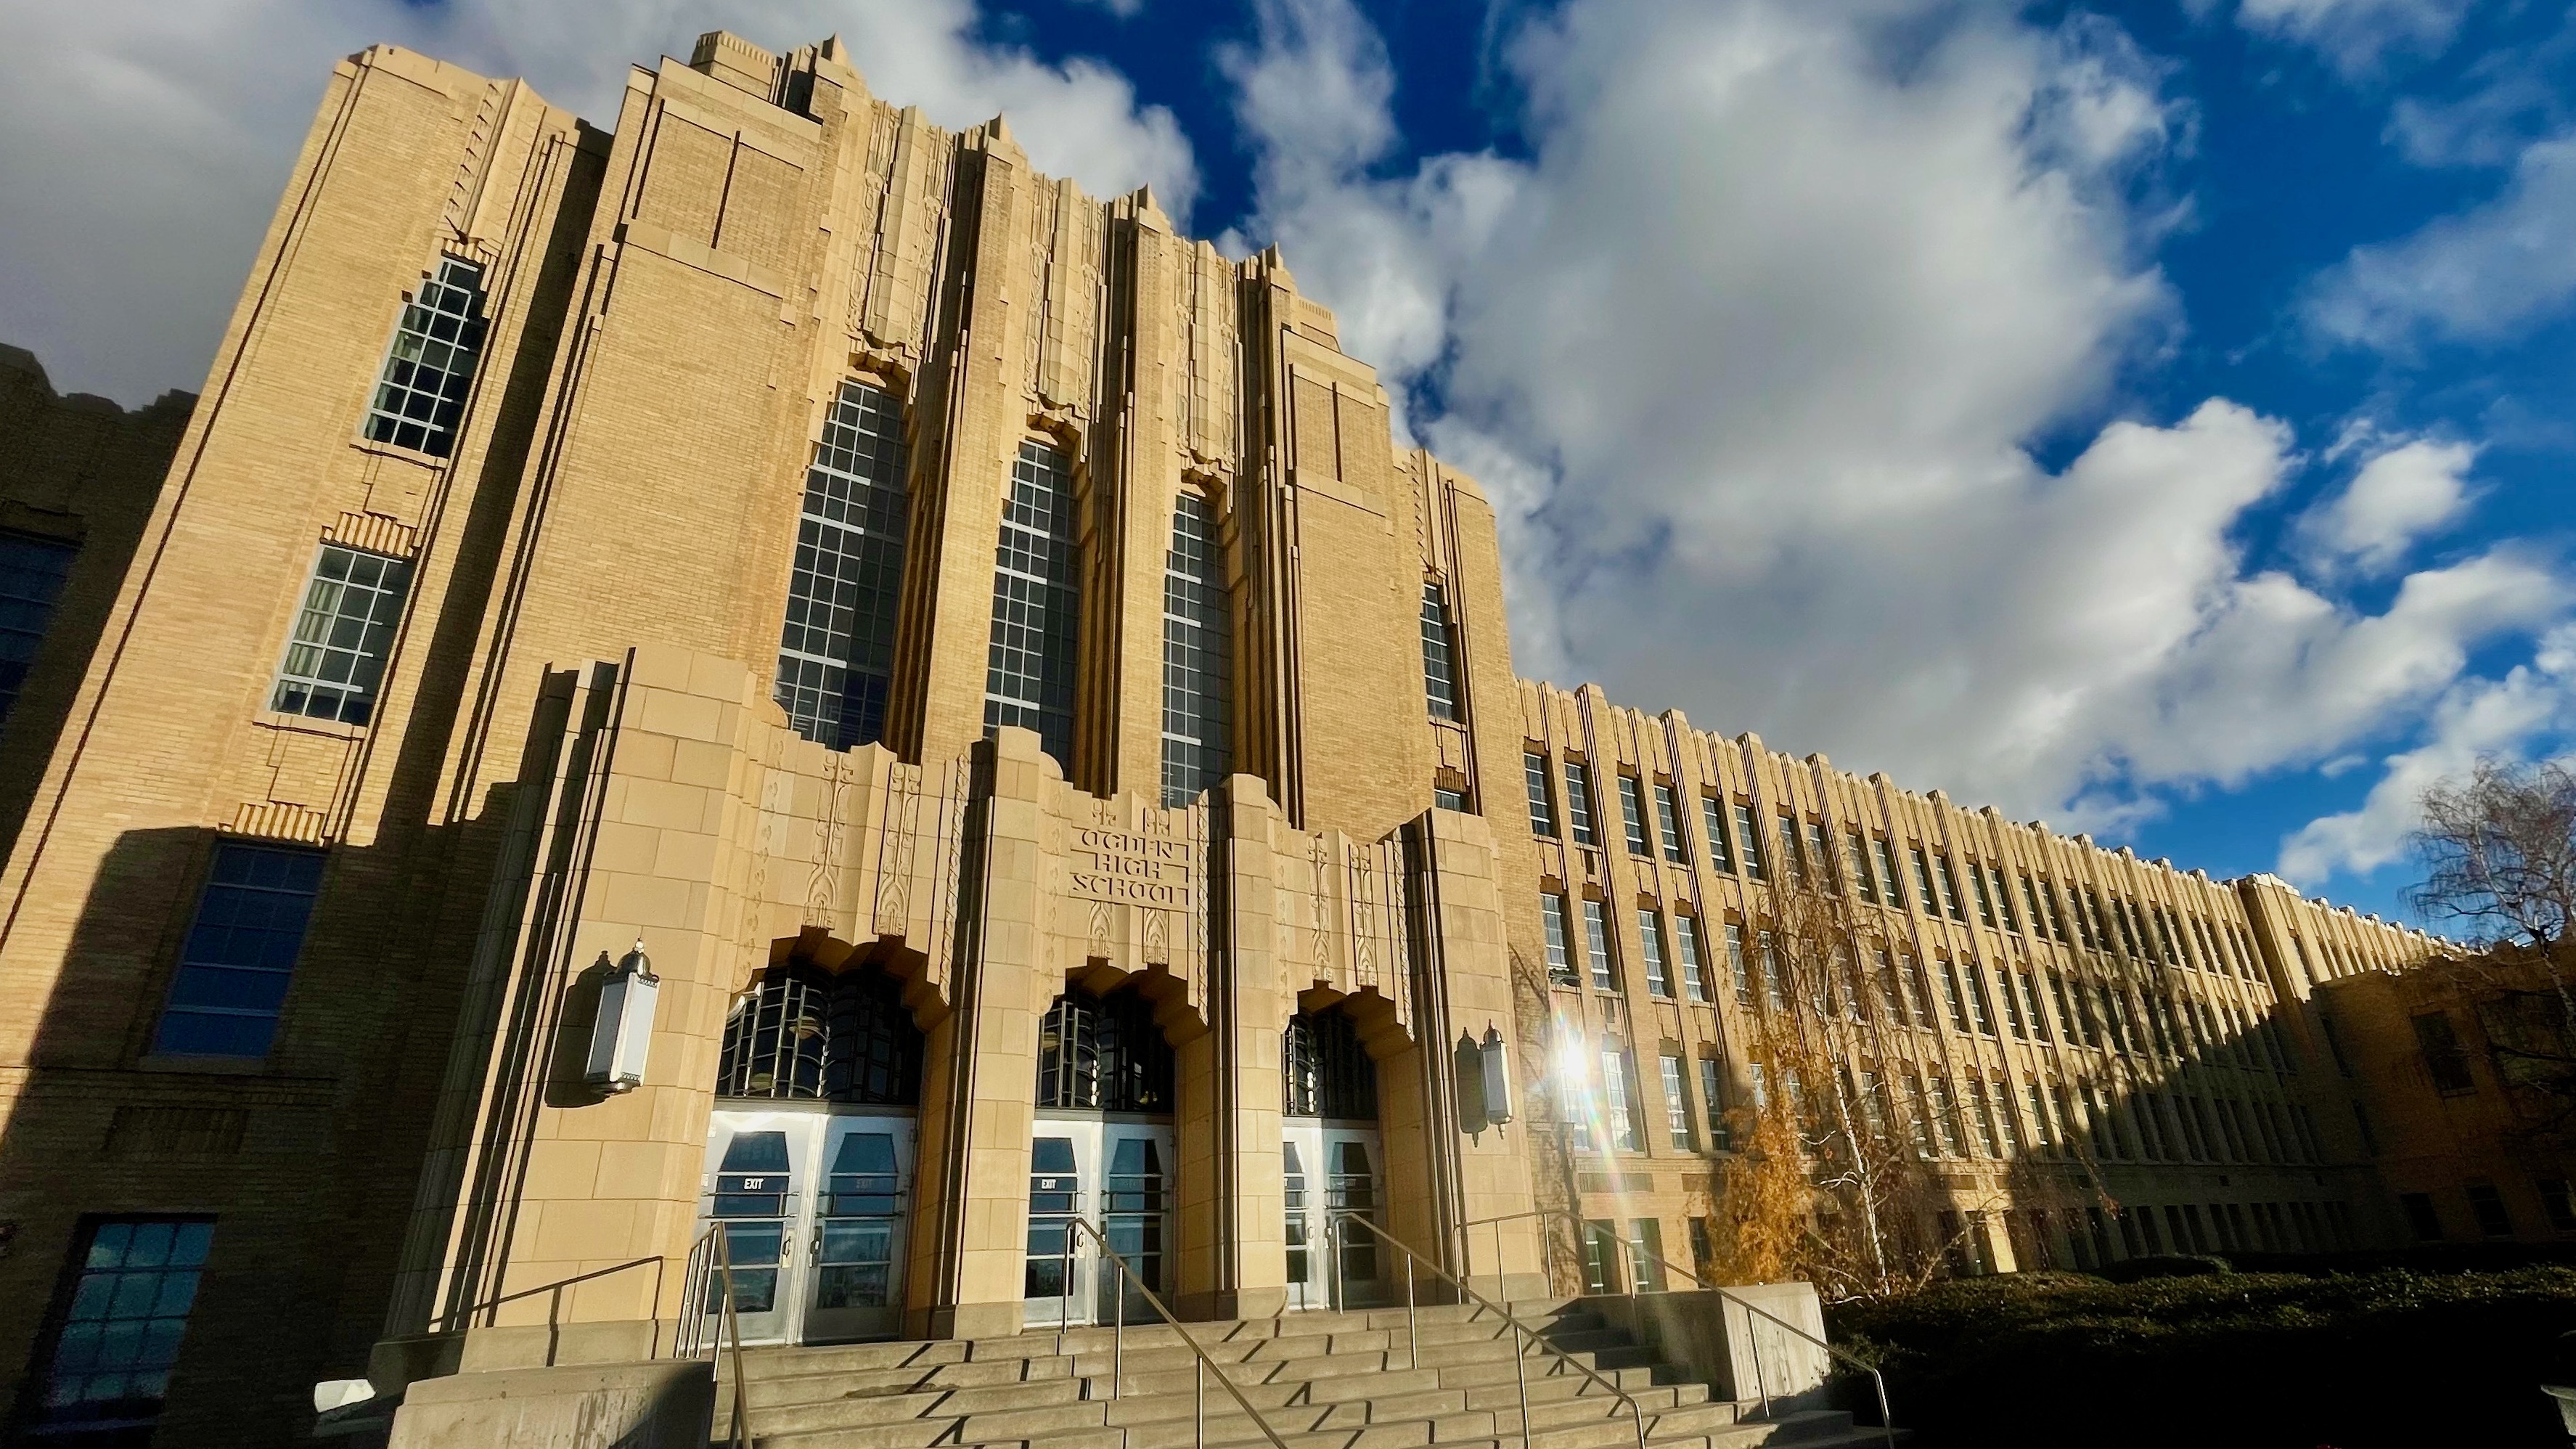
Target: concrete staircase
column 1323, row 1380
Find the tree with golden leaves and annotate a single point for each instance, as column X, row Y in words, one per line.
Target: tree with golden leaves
column 1835, row 1180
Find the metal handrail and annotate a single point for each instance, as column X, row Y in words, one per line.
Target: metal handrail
column 1762, row 1388
column 559, row 1285
column 1336, row 1216
column 554, row 1307
column 711, row 1265
column 1118, row 1350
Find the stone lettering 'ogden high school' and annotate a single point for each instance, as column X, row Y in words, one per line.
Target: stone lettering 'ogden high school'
column 769, row 671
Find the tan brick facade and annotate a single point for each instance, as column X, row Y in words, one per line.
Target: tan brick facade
column 2028, row 960
column 575, row 746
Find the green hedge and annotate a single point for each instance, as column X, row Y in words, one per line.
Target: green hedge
column 2352, row 1361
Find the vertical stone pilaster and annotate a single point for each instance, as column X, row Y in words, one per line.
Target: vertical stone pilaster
column 1475, row 1170
column 979, row 1099
column 1234, row 1245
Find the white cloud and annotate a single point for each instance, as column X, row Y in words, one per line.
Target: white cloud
column 2399, row 496
column 2505, row 717
column 143, row 145
column 1751, row 349
column 2356, row 35
column 2501, row 101
column 2481, row 275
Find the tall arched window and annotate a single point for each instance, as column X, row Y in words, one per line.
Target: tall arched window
column 1104, row 1054
column 836, row 650
column 1037, row 604
column 1198, row 625
column 1328, row 1070
column 808, row 1034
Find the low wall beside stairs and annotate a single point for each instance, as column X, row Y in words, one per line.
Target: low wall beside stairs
column 664, row 1404
column 1741, row 1355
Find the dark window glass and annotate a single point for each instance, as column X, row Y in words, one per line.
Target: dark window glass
column 836, row 648
column 32, row 571
column 1037, row 602
column 1721, row 851
column 1601, row 1257
column 1820, row 854
column 1104, row 1054
column 1650, row 938
column 1560, row 958
column 2444, row 1058
column 1712, row 1099
column 2555, row 1201
column 336, row 662
column 1694, row 964
column 1198, row 643
column 1677, row 1113
column 809, row 1034
column 1300, row 1214
column 430, row 365
column 1534, row 773
column 116, row 1339
column 1439, row 664
column 1131, row 1204
column 1578, row 802
column 1596, row 936
column 1328, row 1072
column 1668, row 823
column 1055, row 1194
column 2420, row 1216
column 1748, row 837
column 240, row 952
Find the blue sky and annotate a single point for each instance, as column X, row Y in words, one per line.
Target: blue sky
column 2151, row 418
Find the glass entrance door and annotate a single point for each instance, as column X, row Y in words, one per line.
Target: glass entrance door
column 813, row 1205
column 1134, row 1216
column 1306, row 1282
column 1328, row 1168
column 1116, row 1176
column 863, row 1196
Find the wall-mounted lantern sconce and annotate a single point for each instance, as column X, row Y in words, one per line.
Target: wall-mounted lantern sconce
column 1497, row 1063
column 623, row 1034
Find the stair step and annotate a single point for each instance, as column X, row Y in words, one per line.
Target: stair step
column 1538, row 1369
column 759, row 1363
column 1286, row 1389
column 842, row 1439
column 1373, row 1409
column 1615, row 1434
column 1561, row 1387
column 967, row 1375
column 945, row 1403
column 1445, row 1378
column 1809, row 1428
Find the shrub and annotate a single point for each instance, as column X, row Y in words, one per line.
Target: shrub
column 2176, row 1265
column 2357, row 1361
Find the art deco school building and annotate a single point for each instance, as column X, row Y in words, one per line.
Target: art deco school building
column 958, row 674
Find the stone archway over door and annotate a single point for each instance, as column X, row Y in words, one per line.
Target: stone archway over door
column 810, row 1151
column 1104, row 1149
